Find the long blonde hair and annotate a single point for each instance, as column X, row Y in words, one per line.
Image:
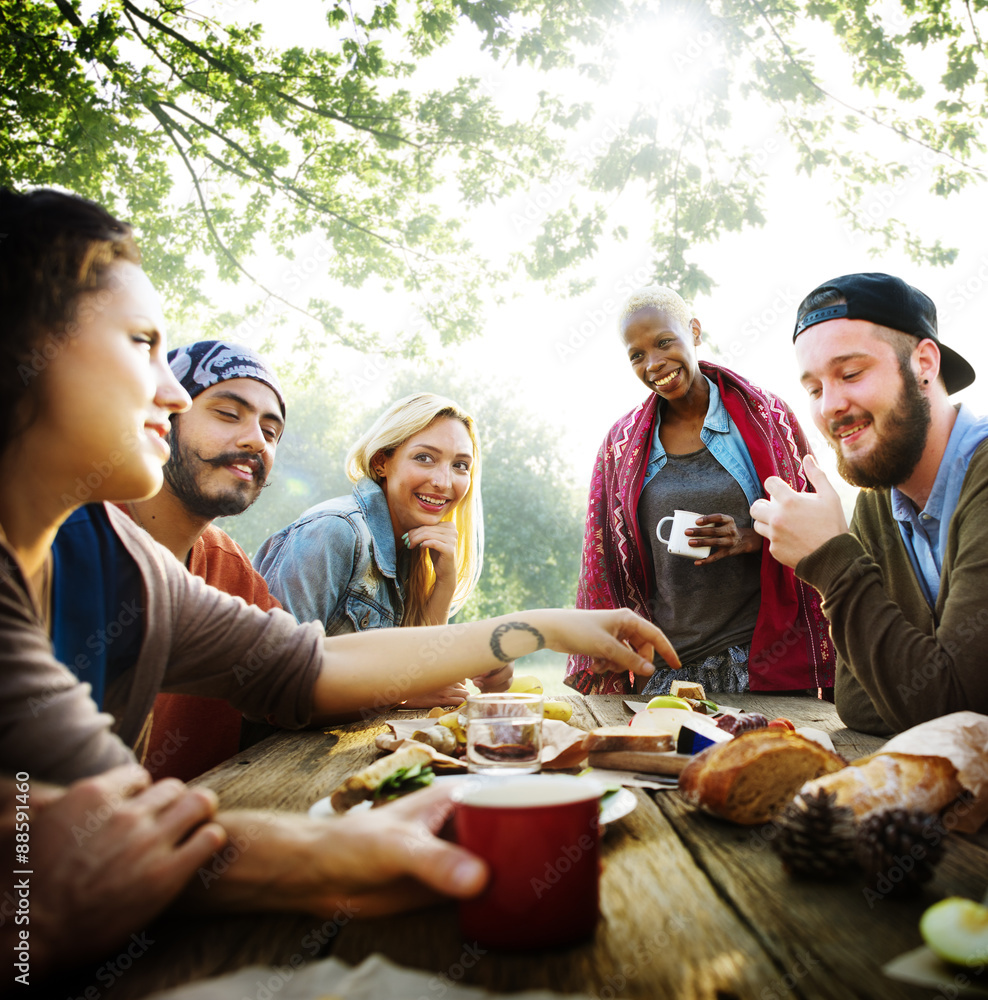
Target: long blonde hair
column 392, row 428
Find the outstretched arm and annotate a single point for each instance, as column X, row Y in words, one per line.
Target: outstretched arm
column 376, row 669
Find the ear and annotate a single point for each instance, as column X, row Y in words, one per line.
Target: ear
column 377, row 464
column 695, row 327
column 926, row 362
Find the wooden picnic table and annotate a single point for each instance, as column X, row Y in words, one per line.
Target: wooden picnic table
column 692, row 908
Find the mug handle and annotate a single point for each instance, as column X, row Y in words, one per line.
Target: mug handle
column 658, row 530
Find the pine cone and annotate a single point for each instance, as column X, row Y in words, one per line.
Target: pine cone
column 815, row 837
column 898, row 849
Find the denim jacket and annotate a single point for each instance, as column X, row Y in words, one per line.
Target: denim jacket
column 336, row 564
column 722, row 439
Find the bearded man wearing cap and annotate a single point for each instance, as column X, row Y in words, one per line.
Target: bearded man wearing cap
column 905, row 588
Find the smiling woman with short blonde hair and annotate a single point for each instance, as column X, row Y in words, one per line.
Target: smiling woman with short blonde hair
column 703, row 440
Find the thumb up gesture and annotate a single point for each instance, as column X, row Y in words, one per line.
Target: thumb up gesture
column 797, row 524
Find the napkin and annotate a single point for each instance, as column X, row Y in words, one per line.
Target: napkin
column 921, row 967
column 961, row 737
column 373, row 979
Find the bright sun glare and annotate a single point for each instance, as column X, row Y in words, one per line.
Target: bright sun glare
column 663, row 59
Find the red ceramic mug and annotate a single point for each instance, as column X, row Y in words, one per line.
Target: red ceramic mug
column 541, row 838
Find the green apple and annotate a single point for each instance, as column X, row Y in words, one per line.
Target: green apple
column 956, row 929
column 669, row 701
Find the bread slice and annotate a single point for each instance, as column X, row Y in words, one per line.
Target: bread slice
column 612, row 738
column 892, row 781
column 688, row 689
column 363, row 784
column 754, row 776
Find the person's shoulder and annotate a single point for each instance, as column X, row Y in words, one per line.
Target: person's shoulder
column 223, row 564
column 976, row 475
column 717, row 373
column 624, row 423
column 979, row 457
column 150, row 555
column 215, row 539
column 336, row 507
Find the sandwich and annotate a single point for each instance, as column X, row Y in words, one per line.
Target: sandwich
column 397, row 774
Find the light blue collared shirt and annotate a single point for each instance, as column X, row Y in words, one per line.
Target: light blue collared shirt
column 722, row 438
column 925, row 533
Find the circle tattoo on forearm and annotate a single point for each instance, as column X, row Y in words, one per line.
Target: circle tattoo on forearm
column 502, row 630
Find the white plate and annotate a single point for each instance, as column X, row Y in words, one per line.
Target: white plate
column 617, row 805
column 614, row 805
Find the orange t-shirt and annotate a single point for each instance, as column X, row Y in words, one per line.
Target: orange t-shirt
column 189, row 735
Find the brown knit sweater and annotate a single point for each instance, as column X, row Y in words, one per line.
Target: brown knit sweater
column 198, row 640
column 899, row 662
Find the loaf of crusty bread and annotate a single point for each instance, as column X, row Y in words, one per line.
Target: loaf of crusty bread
column 892, row 781
column 751, row 778
column 611, row 738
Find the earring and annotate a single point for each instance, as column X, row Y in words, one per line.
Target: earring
column 926, row 381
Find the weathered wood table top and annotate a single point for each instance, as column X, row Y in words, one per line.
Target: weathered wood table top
column 692, row 908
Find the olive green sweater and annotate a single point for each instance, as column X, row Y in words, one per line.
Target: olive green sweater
column 900, row 662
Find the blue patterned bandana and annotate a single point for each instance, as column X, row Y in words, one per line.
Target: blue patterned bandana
column 202, row 364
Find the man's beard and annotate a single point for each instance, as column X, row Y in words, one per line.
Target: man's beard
column 183, row 469
column 903, row 437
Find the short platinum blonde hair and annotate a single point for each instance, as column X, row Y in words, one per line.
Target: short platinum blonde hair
column 402, row 419
column 659, row 298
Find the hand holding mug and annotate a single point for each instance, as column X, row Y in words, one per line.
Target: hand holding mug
column 723, row 537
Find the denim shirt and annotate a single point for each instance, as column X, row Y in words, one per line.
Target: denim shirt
column 925, row 533
column 336, row 564
column 722, row 438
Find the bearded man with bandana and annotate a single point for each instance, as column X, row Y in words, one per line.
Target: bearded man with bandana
column 222, row 452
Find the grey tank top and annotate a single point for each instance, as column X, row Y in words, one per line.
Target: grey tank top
column 702, row 609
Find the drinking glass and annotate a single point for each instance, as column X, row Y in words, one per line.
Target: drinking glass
column 504, row 733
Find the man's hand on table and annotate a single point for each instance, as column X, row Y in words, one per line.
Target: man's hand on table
column 110, row 853
column 362, row 864
column 797, row 524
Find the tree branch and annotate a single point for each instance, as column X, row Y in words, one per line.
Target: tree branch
column 974, row 27
column 282, row 184
column 901, row 132
column 227, row 252
column 249, row 81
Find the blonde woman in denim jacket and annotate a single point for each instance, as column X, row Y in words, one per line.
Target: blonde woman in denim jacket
column 406, row 547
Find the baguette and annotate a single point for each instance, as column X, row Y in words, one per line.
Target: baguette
column 365, row 783
column 621, row 738
column 891, row 781
column 751, row 778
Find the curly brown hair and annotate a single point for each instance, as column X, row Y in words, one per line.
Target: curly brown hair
column 54, row 247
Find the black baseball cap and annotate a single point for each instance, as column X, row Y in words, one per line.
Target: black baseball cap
column 888, row 301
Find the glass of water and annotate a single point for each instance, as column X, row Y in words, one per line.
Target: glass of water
column 504, row 733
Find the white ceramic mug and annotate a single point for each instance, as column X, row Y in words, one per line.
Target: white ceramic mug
column 678, row 542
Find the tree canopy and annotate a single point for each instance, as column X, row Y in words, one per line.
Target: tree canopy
column 216, row 143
